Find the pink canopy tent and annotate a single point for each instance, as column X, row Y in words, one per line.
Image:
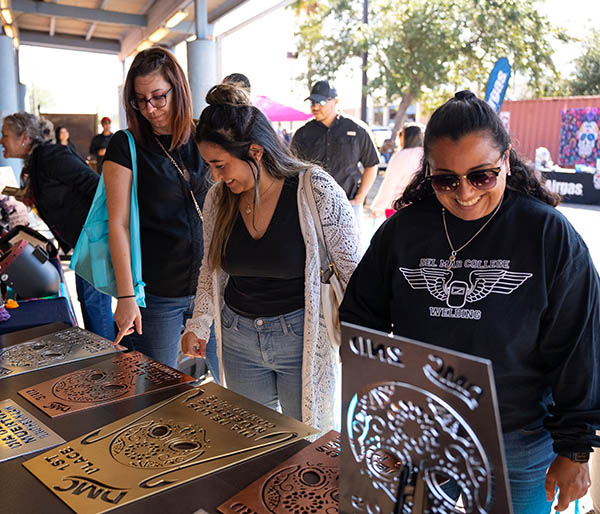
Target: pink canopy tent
column 279, row 112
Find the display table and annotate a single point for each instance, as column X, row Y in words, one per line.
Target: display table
column 33, row 313
column 582, row 188
column 20, row 491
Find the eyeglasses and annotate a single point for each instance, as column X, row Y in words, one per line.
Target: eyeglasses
column 155, row 101
column 319, row 102
column 449, row 182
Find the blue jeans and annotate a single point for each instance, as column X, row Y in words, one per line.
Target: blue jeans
column 163, row 321
column 528, row 456
column 95, row 308
column 262, row 358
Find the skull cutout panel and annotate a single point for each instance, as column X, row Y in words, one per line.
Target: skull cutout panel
column 300, row 489
column 394, row 424
column 159, row 444
column 92, row 385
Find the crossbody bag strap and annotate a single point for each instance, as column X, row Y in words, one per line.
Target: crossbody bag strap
column 327, row 266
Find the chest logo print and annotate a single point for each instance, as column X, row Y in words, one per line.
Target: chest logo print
column 456, row 293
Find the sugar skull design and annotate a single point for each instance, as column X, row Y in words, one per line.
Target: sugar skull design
column 587, row 136
column 300, row 489
column 392, row 425
column 92, row 385
column 35, row 353
column 159, row 444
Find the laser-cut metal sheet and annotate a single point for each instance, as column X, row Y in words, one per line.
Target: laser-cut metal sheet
column 420, row 409
column 122, row 376
column 68, row 345
column 21, row 433
column 190, row 435
column 306, row 482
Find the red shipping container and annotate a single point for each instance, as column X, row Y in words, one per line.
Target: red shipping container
column 535, row 123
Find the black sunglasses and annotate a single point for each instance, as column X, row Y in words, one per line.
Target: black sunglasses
column 319, row 102
column 449, row 182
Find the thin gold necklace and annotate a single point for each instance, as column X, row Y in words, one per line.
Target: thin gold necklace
column 248, row 206
column 452, row 257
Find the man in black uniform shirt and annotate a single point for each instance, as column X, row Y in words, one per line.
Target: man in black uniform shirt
column 338, row 144
column 100, row 143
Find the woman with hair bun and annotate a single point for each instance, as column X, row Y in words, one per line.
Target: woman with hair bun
column 171, row 190
column 478, row 260
column 60, row 184
column 260, row 277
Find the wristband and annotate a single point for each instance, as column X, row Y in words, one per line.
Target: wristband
column 126, row 296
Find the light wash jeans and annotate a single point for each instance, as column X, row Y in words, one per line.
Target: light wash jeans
column 262, row 358
column 163, row 321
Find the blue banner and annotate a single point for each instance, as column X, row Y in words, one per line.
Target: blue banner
column 498, row 83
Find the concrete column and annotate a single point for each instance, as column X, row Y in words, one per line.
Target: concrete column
column 202, row 71
column 202, row 59
column 9, row 96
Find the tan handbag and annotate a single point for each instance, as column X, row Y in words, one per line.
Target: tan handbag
column 332, row 291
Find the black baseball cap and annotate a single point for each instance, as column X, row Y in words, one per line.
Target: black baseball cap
column 322, row 90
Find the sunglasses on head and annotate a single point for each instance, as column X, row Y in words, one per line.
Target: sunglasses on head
column 449, row 182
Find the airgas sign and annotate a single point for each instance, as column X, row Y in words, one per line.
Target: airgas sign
column 498, row 83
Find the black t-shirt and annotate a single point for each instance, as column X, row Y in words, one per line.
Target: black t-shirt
column 524, row 293
column 338, row 150
column 171, row 230
column 99, row 141
column 267, row 275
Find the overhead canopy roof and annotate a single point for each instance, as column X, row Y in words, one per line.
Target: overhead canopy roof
column 108, row 26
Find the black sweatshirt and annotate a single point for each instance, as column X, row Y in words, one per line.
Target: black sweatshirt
column 524, row 294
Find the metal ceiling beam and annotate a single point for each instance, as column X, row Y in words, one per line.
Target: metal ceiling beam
column 224, row 9
column 99, row 45
column 92, row 27
column 80, row 13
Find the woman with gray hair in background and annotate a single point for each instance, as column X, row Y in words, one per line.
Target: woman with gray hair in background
column 61, row 186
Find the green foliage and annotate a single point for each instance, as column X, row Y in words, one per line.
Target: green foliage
column 417, row 47
column 586, row 80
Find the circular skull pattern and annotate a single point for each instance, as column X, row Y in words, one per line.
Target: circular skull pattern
column 302, row 490
column 158, row 444
column 394, row 424
column 35, row 353
column 92, row 385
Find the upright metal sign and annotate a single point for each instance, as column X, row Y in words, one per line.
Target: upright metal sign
column 68, row 345
column 418, row 417
column 177, row 440
column 21, row 433
column 122, row 376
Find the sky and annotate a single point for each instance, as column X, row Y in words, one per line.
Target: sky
column 81, row 82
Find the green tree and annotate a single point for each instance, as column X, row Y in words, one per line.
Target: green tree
column 586, row 80
column 417, row 47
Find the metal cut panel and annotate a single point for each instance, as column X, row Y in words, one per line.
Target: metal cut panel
column 306, row 482
column 21, row 433
column 68, row 345
column 122, row 376
column 193, row 434
column 416, row 415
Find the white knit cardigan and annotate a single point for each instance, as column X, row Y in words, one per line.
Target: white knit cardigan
column 320, row 365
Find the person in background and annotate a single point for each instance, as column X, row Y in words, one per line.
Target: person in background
column 260, row 277
column 387, row 149
column 400, row 170
column 171, row 191
column 100, row 143
column 63, row 137
column 238, row 79
column 478, row 260
column 61, row 186
column 338, row 144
